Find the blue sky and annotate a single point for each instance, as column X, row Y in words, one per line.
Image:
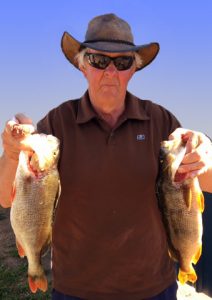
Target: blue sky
column 35, row 76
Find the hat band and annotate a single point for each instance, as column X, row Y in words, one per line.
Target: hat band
column 110, row 41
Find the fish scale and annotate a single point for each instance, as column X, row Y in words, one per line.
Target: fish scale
column 181, row 205
column 35, row 191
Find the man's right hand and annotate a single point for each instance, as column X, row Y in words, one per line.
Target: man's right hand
column 14, row 139
column 13, row 136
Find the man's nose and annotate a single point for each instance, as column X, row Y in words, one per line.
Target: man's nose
column 111, row 69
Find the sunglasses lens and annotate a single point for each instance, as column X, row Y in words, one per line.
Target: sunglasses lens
column 98, row 61
column 123, row 62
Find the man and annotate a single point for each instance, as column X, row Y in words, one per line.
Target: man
column 108, row 239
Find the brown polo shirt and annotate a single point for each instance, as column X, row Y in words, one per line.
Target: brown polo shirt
column 108, row 239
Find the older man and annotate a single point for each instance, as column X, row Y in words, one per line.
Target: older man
column 108, row 239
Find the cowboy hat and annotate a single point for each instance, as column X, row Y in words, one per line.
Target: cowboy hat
column 108, row 33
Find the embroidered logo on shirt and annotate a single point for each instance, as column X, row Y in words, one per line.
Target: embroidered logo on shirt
column 140, row 137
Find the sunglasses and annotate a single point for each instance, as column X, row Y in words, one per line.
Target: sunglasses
column 101, row 61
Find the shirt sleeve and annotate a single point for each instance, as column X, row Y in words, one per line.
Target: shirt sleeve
column 45, row 125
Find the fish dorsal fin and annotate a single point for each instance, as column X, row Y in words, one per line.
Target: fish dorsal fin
column 187, row 195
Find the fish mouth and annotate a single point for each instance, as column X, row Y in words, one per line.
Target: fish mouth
column 174, row 151
column 44, row 152
column 33, row 164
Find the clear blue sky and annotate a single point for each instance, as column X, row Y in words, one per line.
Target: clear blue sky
column 35, row 76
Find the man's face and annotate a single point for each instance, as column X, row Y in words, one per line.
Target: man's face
column 107, row 88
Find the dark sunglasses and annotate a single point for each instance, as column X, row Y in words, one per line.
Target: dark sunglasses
column 101, row 61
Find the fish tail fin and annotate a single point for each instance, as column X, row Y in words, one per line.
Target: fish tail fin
column 183, row 276
column 38, row 282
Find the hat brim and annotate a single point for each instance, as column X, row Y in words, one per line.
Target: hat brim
column 71, row 47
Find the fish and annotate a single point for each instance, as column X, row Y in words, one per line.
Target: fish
column 181, row 202
column 34, row 196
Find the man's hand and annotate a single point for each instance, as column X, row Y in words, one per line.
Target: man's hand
column 198, row 158
column 14, row 134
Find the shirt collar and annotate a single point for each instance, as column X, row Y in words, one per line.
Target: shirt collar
column 85, row 110
column 133, row 109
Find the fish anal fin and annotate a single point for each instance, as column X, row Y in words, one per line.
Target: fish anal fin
column 36, row 283
column 197, row 255
column 187, row 195
column 20, row 249
column 183, row 276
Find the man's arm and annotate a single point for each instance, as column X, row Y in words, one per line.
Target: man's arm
column 13, row 142
column 7, row 175
column 205, row 181
column 198, row 158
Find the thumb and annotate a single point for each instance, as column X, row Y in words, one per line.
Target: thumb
column 22, row 119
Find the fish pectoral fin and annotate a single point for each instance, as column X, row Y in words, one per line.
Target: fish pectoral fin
column 20, row 249
column 56, row 200
column 183, row 276
column 197, row 255
column 172, row 255
column 187, row 194
column 13, row 192
column 201, row 201
column 36, row 283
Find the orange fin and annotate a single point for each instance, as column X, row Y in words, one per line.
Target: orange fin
column 201, row 201
column 191, row 276
column 38, row 283
column 20, row 249
column 32, row 285
column 13, row 192
column 197, row 255
column 187, row 194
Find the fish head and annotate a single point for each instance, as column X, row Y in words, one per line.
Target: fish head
column 44, row 152
column 173, row 152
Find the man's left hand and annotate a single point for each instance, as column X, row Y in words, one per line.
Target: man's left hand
column 198, row 157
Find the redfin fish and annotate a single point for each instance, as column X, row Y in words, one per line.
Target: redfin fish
column 182, row 203
column 34, row 193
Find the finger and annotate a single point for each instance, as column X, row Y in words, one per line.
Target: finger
column 19, row 130
column 12, row 144
column 191, row 167
column 22, row 119
column 177, row 133
column 192, row 141
column 195, row 173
